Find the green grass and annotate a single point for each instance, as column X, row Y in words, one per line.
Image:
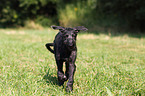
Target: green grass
column 105, row 65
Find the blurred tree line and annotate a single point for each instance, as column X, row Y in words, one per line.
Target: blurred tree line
column 119, row 14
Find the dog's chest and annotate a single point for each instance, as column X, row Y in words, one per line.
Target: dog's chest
column 61, row 50
column 64, row 53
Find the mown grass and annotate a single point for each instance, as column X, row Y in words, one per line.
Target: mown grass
column 106, row 65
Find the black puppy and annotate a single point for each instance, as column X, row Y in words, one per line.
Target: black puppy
column 65, row 50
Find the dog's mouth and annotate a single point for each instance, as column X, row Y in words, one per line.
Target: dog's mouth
column 70, row 45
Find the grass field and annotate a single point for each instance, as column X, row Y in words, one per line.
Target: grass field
column 106, row 65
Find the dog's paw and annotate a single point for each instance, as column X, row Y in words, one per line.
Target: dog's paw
column 64, row 78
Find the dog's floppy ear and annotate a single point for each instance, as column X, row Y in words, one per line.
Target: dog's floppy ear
column 58, row 28
column 78, row 28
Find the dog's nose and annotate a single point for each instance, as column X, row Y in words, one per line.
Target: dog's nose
column 69, row 36
column 70, row 43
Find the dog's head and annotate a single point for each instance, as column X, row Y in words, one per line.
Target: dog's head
column 69, row 34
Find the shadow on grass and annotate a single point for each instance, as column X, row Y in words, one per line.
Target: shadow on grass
column 49, row 78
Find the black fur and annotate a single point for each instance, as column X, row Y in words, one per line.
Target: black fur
column 65, row 50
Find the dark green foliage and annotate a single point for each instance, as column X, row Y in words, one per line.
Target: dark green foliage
column 118, row 14
column 9, row 12
column 130, row 12
column 45, row 21
column 15, row 12
column 90, row 13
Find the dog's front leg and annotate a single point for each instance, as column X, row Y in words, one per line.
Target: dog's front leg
column 71, row 71
column 60, row 73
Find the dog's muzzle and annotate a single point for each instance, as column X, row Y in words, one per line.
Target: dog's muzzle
column 70, row 42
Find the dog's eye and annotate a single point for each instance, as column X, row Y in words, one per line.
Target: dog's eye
column 76, row 31
column 66, row 35
column 73, row 35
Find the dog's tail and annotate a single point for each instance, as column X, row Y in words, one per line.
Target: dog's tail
column 48, row 47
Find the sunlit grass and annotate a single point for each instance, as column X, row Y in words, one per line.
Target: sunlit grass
column 106, row 65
